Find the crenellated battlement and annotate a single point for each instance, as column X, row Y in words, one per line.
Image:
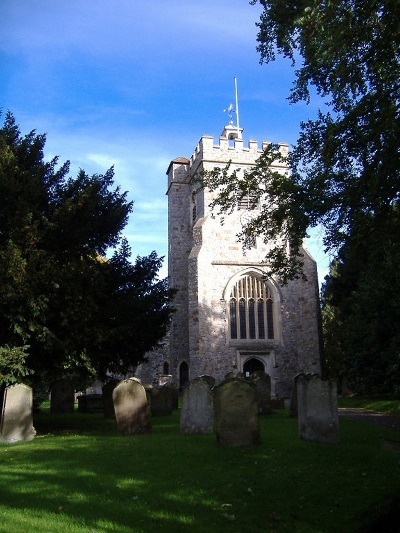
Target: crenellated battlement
column 230, row 150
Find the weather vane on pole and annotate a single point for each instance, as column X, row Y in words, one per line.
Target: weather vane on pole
column 230, row 109
column 232, row 131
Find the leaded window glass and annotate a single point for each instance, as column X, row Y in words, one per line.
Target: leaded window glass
column 251, row 309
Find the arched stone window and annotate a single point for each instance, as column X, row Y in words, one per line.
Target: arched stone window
column 251, row 309
column 166, row 368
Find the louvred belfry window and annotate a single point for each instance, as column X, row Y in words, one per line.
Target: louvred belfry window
column 251, row 309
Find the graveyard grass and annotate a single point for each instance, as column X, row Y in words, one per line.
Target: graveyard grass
column 79, row 476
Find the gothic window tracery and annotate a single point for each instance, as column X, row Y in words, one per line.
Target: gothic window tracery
column 251, row 309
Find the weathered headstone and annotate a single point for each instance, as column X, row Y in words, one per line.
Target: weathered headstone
column 175, row 395
column 107, row 395
column 317, row 408
column 210, row 380
column 236, row 413
column 16, row 420
column 197, row 413
column 293, row 409
column 161, row 401
column 131, row 408
column 62, row 398
column 90, row 403
column 164, row 379
column 234, row 375
column 262, row 382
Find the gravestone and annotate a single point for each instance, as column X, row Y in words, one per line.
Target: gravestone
column 107, row 395
column 234, row 375
column 161, row 401
column 174, row 391
column 90, row 403
column 164, row 379
column 236, row 413
column 62, row 398
column 131, row 408
column 293, row 409
column 197, row 413
column 317, row 408
column 210, row 380
column 16, row 420
column 262, row 382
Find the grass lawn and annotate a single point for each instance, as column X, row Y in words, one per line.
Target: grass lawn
column 79, row 476
column 388, row 406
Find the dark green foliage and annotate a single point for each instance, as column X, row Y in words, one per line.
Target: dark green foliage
column 361, row 308
column 12, row 365
column 58, row 294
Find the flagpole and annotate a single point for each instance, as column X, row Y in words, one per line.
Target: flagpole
column 237, row 108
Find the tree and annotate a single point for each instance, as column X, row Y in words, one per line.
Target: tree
column 346, row 162
column 361, row 309
column 59, row 295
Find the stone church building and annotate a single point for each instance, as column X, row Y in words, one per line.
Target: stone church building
column 229, row 315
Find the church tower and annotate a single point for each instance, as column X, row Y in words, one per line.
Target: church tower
column 229, row 315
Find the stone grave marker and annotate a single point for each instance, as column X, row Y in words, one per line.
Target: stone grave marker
column 293, row 408
column 236, row 413
column 90, row 403
column 16, row 420
column 62, row 399
column 210, row 380
column 262, row 382
column 107, row 395
column 161, row 401
column 197, row 413
column 317, row 408
column 131, row 408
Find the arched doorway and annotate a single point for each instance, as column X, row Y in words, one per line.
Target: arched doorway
column 183, row 374
column 252, row 365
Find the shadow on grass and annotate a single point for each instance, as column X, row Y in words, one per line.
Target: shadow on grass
column 79, row 475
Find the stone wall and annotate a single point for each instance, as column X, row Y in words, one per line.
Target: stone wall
column 205, row 259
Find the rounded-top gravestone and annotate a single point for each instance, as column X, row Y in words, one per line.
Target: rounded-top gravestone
column 131, row 408
column 236, row 413
column 197, row 413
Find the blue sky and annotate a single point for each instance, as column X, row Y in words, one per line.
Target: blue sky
column 136, row 84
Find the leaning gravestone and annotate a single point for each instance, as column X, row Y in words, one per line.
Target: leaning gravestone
column 197, row 413
column 262, row 382
column 317, row 408
column 107, row 393
column 131, row 408
column 62, row 398
column 16, row 422
column 161, row 401
column 236, row 413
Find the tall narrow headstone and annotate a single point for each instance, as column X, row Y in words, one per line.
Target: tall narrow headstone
column 317, row 408
column 62, row 398
column 293, row 409
column 131, row 408
column 161, row 401
column 16, row 422
column 197, row 413
column 236, row 413
column 262, row 382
